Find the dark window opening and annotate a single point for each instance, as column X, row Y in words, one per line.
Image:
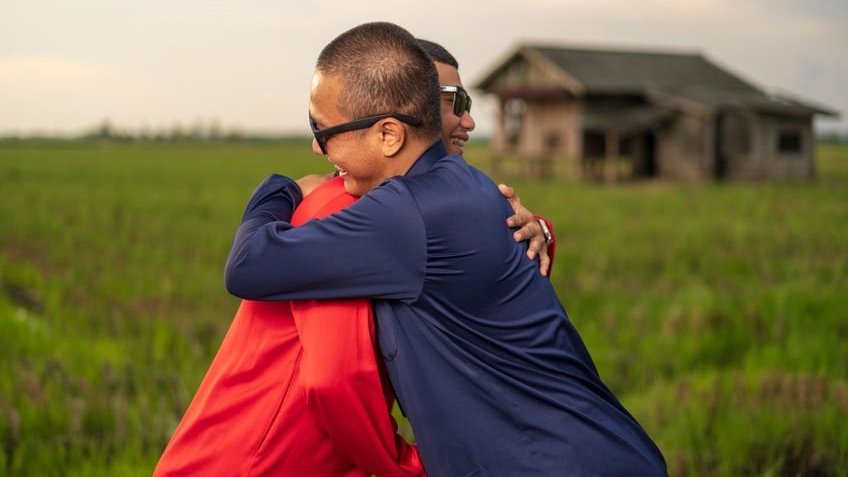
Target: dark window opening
column 789, row 142
column 625, row 147
column 594, row 144
column 514, row 109
column 648, row 166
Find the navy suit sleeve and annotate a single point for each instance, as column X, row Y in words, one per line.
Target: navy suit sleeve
column 375, row 248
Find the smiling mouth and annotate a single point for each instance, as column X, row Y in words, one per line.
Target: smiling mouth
column 460, row 143
column 339, row 170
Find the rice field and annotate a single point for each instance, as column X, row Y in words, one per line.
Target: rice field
column 715, row 311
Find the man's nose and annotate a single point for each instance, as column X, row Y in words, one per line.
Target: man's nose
column 467, row 122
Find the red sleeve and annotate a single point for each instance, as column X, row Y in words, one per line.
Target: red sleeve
column 552, row 245
column 340, row 372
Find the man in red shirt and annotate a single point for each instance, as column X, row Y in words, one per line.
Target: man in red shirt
column 296, row 388
column 252, row 414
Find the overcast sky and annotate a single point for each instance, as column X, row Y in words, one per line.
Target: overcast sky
column 68, row 64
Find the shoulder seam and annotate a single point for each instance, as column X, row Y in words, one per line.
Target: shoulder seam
column 424, row 227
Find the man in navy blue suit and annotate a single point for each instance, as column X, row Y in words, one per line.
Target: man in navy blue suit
column 482, row 356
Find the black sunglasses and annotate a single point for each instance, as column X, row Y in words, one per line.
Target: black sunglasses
column 461, row 100
column 322, row 135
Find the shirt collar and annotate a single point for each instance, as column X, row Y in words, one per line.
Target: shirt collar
column 430, row 156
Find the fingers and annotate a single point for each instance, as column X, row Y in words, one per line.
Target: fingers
column 522, row 218
column 535, row 246
column 522, row 215
column 531, row 232
column 510, row 197
column 509, row 194
column 530, row 228
column 544, row 261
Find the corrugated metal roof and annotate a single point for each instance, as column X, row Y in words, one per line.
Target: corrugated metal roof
column 625, row 71
column 685, row 75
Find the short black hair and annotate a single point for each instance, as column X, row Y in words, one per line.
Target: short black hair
column 384, row 70
column 438, row 52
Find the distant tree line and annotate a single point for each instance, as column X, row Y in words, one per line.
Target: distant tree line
column 832, row 137
column 197, row 131
column 213, row 131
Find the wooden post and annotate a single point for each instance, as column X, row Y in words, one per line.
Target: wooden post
column 500, row 144
column 611, row 156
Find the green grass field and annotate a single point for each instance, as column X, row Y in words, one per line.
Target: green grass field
column 718, row 313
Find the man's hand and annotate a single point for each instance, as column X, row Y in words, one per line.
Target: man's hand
column 309, row 183
column 528, row 229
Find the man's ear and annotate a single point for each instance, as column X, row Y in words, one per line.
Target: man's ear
column 392, row 136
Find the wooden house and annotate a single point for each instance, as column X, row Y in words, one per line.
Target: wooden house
column 648, row 113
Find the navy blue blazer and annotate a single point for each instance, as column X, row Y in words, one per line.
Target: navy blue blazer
column 493, row 376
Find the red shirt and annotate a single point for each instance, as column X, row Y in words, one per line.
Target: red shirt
column 296, row 389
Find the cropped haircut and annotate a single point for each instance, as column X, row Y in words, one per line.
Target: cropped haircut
column 383, row 70
column 438, row 52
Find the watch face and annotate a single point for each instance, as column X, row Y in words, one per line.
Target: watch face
column 545, row 231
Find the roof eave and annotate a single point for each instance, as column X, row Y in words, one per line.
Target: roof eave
column 533, row 56
column 804, row 105
column 485, row 83
column 569, row 81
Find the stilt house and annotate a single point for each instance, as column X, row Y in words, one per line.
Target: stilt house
column 646, row 114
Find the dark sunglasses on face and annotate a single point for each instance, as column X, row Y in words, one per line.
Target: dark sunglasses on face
column 461, row 100
column 323, row 135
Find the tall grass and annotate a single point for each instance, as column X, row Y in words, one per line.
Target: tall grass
column 715, row 311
